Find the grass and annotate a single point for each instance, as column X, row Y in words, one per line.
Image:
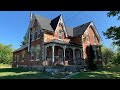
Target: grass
column 5, row 65
column 18, row 73
column 105, row 73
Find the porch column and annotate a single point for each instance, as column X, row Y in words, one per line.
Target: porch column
column 74, row 54
column 45, row 54
column 64, row 48
column 53, row 54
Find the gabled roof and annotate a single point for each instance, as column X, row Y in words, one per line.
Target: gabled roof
column 21, row 48
column 44, row 22
column 69, row 31
column 79, row 30
column 54, row 22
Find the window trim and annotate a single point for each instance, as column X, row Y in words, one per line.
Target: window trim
column 32, row 53
column 37, row 34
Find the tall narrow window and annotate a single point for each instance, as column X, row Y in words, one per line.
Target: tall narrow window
column 37, row 52
column 23, row 55
column 88, row 38
column 38, row 33
column 60, row 34
column 32, row 53
column 94, row 38
column 15, row 58
column 33, row 36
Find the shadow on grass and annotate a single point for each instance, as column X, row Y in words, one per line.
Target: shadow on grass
column 95, row 75
column 16, row 70
column 37, row 75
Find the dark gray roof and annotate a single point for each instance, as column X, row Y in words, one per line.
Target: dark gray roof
column 69, row 31
column 44, row 22
column 21, row 48
column 79, row 30
column 54, row 22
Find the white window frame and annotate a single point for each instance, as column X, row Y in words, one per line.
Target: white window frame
column 38, row 31
column 37, row 50
column 23, row 56
column 60, row 34
column 95, row 38
column 88, row 38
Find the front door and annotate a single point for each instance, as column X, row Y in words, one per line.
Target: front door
column 60, row 56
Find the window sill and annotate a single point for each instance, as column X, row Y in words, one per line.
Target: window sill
column 14, row 61
column 37, row 59
column 37, row 38
column 22, row 61
column 32, row 41
column 31, row 60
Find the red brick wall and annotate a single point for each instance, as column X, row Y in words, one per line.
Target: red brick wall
column 18, row 62
column 85, row 43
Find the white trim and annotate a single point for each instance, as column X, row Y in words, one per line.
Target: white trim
column 22, row 60
column 15, row 61
column 31, row 60
column 37, row 59
column 37, row 38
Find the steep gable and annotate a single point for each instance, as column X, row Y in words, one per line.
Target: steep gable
column 79, row 30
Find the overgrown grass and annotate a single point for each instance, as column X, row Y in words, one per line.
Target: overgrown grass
column 5, row 65
column 105, row 73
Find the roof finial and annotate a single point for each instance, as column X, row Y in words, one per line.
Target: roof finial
column 31, row 14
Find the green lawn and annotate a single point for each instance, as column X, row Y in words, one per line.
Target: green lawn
column 106, row 73
column 17, row 73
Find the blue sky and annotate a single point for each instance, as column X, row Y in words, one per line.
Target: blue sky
column 14, row 24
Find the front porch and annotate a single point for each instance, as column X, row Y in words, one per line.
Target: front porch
column 62, row 54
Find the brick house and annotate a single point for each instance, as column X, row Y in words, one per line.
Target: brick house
column 51, row 42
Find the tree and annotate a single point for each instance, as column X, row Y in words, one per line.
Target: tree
column 113, row 32
column 24, row 42
column 6, row 54
column 107, row 55
column 90, row 58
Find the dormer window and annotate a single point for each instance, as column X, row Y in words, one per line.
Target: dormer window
column 60, row 34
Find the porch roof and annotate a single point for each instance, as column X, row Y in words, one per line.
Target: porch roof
column 62, row 43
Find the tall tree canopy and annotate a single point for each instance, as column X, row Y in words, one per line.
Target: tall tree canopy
column 24, row 41
column 113, row 32
column 6, row 54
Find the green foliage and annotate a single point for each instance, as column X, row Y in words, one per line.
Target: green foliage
column 117, row 59
column 107, row 55
column 113, row 32
column 114, row 13
column 24, row 42
column 6, row 54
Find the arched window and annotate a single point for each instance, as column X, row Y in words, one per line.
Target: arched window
column 32, row 53
column 23, row 55
column 94, row 38
column 37, row 50
column 60, row 34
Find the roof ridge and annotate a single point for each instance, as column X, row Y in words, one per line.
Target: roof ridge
column 82, row 24
column 41, row 16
